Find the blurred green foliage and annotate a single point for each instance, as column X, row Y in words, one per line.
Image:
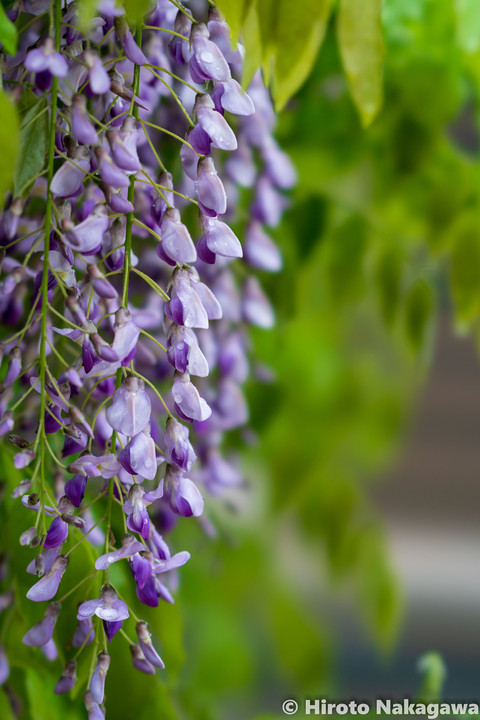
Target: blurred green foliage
column 383, row 225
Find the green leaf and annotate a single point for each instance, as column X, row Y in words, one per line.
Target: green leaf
column 8, row 141
column 8, row 33
column 465, row 269
column 253, row 45
column 433, row 669
column 234, row 12
column 6, row 712
column 299, row 35
column 32, row 158
column 137, row 9
column 362, row 51
column 86, row 12
column 389, row 278
column 418, row 314
column 468, row 25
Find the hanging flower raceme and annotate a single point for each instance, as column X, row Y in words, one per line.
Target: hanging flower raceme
column 125, row 316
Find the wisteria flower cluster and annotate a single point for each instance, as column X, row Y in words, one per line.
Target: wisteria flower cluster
column 127, row 343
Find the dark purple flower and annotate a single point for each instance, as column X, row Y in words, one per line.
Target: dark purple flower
column 67, row 679
column 56, row 534
column 111, row 628
column 141, row 568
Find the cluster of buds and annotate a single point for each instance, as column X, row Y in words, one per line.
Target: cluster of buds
column 127, row 343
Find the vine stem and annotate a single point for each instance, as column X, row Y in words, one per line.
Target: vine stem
column 125, row 285
column 41, row 435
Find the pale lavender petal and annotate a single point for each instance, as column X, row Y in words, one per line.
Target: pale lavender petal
column 188, row 400
column 130, row 410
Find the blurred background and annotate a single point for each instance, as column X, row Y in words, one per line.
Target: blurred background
column 357, row 547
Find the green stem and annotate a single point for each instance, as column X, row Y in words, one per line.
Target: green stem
column 126, row 277
column 41, row 436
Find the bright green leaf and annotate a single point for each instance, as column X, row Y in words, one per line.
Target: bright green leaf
column 468, row 25
column 252, row 42
column 8, row 33
column 362, row 51
column 6, row 712
column 418, row 314
column 8, row 141
column 234, row 12
column 298, row 37
column 433, row 669
column 86, row 12
column 388, row 279
column 136, row 9
column 33, row 146
column 465, row 269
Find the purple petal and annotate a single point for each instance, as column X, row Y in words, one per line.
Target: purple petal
column 140, row 456
column 260, row 251
column 130, row 410
column 75, row 489
column 217, row 129
column 208, row 56
column 221, row 240
column 88, row 608
column 188, row 400
column 46, row 588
